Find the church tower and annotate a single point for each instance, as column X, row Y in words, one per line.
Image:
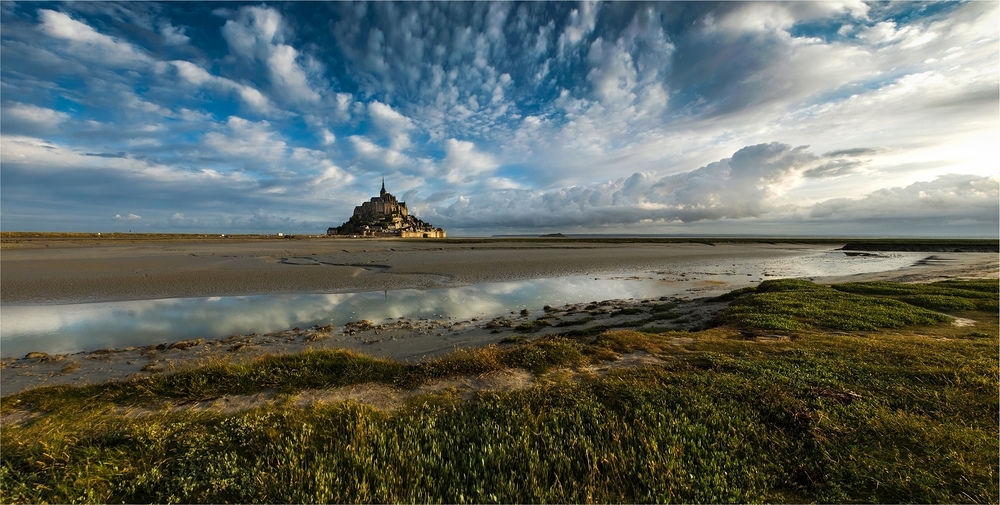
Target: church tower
column 381, row 194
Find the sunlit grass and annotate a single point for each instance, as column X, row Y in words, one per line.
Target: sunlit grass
column 791, row 304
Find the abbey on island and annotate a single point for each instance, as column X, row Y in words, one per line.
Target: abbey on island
column 385, row 216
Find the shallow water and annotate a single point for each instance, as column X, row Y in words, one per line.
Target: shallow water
column 90, row 326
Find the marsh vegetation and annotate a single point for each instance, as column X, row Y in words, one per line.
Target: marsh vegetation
column 855, row 392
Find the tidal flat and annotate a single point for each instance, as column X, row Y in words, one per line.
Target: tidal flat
column 76, row 268
column 784, row 391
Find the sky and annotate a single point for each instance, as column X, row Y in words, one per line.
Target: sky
column 844, row 118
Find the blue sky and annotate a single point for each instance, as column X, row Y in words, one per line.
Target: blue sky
column 836, row 118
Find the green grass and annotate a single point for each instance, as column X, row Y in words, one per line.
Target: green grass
column 791, row 304
column 902, row 415
column 977, row 288
column 945, row 296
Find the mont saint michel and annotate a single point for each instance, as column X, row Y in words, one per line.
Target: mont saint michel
column 385, row 216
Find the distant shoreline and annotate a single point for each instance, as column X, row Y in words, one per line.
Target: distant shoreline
column 17, row 239
column 924, row 246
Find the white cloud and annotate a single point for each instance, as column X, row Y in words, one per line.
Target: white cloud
column 199, row 77
column 248, row 140
column 394, row 125
column 880, row 33
column 193, row 115
column 613, row 74
column 132, row 101
column 128, row 217
column 286, row 74
column 173, row 35
column 344, row 101
column 579, row 24
column 87, row 43
column 257, row 34
column 48, row 157
column 772, row 16
column 463, row 163
column 32, row 119
column 749, row 184
column 378, row 158
column 947, row 198
column 328, row 138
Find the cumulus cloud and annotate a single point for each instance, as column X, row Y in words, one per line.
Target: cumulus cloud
column 127, row 217
column 744, row 185
column 392, row 124
column 257, row 34
column 463, row 162
column 946, row 198
column 747, row 185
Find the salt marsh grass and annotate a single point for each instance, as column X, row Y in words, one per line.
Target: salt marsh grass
column 791, row 304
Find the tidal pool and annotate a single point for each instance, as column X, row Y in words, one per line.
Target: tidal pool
column 90, row 326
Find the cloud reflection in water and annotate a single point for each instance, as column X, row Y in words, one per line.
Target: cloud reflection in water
column 91, row 326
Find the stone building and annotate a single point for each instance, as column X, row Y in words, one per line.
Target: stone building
column 385, row 216
column 383, row 204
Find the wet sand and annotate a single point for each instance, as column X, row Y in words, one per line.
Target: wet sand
column 934, row 267
column 65, row 271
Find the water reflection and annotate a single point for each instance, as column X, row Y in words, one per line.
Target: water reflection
column 90, row 326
